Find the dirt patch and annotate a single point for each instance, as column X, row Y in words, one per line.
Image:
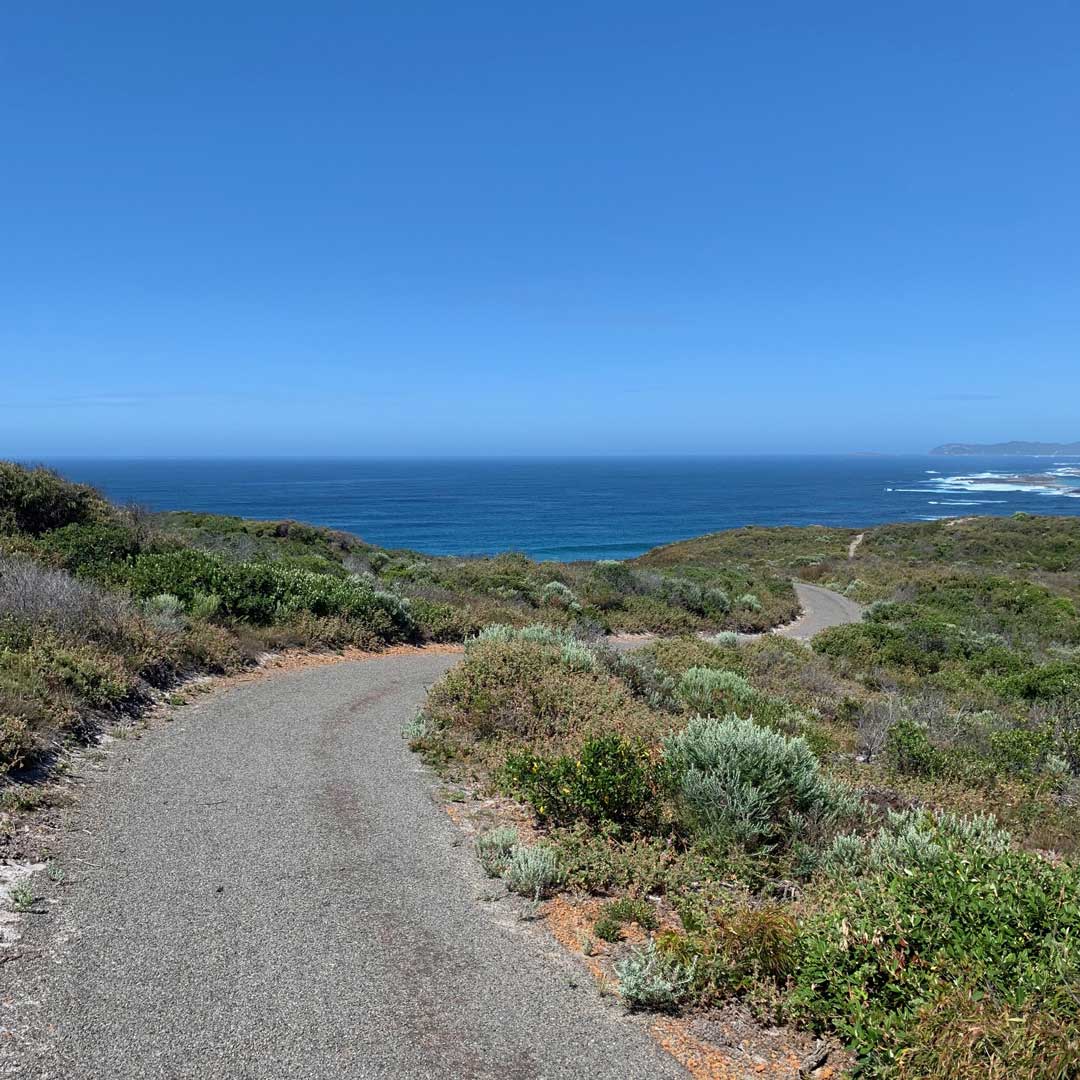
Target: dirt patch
column 729, row 1044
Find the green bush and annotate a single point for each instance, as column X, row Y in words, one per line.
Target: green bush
column 36, row 500
column 611, row 779
column 676, row 656
column 909, row 750
column 928, row 908
column 608, row 583
column 263, row 593
column 1047, row 682
column 733, row 950
column 93, row 549
column 609, row 924
column 645, row 680
column 517, row 689
column 1019, row 751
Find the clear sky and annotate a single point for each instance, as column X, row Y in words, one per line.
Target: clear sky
column 504, row 228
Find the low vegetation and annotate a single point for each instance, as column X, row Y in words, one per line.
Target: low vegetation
column 873, row 838
column 102, row 605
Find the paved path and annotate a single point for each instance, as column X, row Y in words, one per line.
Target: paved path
column 821, row 608
column 265, row 888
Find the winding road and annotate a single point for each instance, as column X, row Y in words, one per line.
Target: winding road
column 266, row 888
column 821, row 608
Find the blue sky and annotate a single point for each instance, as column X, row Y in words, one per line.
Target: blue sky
column 598, row 227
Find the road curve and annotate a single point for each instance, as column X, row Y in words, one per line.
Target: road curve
column 821, row 608
column 266, row 889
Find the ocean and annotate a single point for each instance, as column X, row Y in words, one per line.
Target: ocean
column 585, row 508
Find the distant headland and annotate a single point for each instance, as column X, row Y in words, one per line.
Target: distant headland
column 1017, row 448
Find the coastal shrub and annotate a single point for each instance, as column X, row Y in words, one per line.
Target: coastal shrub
column 1020, row 751
column 531, row 871
column 932, row 908
column 204, row 605
column 535, row 633
column 733, row 949
column 648, row 979
column 909, row 750
column 715, row 602
column 677, row 655
column 1059, row 679
column 36, row 594
column 442, row 621
column 578, row 657
column 609, row 779
column 969, row 1035
column 165, row 612
column 94, row 675
column 712, row 692
column 1020, row 611
column 91, row 549
column 609, row 924
column 681, row 593
column 494, row 849
column 36, row 500
column 737, row 782
column 264, row 592
column 607, row 583
column 556, row 594
column 748, row 602
column 518, row 689
column 911, row 840
column 654, row 615
column 645, row 680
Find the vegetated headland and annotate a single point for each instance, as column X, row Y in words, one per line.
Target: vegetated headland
column 872, row 839
column 1017, row 448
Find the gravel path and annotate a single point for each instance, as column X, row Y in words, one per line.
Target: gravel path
column 265, row 888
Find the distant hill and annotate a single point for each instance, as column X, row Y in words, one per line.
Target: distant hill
column 1034, row 449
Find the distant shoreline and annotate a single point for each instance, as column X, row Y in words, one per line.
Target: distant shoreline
column 1008, row 449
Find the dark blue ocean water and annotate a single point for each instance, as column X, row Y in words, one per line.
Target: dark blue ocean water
column 578, row 509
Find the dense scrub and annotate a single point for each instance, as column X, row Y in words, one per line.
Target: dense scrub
column 875, row 837
column 100, row 604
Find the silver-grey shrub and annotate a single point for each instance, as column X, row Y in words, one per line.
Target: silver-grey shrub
column 493, row 849
column 707, row 690
column 531, row 871
column 556, row 594
column 912, row 840
column 166, row 612
column 737, row 782
column 650, row 980
column 576, row 656
column 538, row 634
